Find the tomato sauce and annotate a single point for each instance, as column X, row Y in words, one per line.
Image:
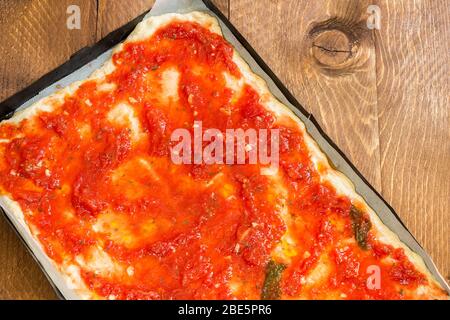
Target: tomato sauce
column 171, row 232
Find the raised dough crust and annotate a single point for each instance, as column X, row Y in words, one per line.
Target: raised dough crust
column 146, row 29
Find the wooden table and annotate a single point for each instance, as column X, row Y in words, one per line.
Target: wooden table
column 382, row 95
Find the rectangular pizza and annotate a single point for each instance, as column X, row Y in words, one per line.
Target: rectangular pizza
column 109, row 177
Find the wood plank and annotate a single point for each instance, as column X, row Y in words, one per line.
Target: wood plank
column 325, row 55
column 223, row 6
column 414, row 117
column 113, row 14
column 37, row 41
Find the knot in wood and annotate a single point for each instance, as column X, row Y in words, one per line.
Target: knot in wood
column 332, row 48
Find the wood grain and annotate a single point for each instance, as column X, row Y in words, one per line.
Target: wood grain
column 35, row 39
column 413, row 54
column 223, row 6
column 113, row 14
column 382, row 96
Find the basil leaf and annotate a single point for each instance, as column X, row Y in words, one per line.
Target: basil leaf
column 361, row 226
column 271, row 288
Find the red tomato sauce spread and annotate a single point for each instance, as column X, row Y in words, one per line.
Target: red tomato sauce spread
column 140, row 227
